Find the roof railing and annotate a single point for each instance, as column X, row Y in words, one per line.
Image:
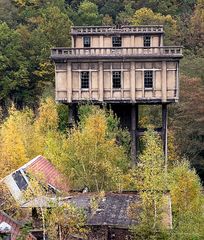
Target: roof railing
column 115, row 29
column 117, row 52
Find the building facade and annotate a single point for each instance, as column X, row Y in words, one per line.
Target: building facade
column 122, row 66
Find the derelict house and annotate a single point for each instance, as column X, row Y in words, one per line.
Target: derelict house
column 119, row 66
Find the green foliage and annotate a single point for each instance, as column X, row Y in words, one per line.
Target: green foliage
column 150, row 179
column 24, row 231
column 186, row 119
column 124, row 17
column 63, row 114
column 146, row 16
column 122, row 136
column 64, row 220
column 185, row 192
column 8, row 13
column 192, row 65
column 187, row 202
column 92, row 156
column 13, row 66
column 88, row 14
column 197, row 26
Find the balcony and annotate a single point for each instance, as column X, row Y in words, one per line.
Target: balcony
column 80, row 30
column 125, row 52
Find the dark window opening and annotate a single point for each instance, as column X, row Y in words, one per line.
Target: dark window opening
column 84, row 79
column 5, row 236
column 148, row 79
column 20, row 180
column 87, row 41
column 147, row 41
column 116, row 41
column 116, row 79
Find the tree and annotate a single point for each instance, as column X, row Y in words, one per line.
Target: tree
column 65, row 220
column 13, row 66
column 184, row 188
column 197, row 26
column 187, row 202
column 107, row 20
column 93, row 158
column 187, row 122
column 42, row 33
column 88, row 14
column 124, row 17
column 8, row 13
column 15, row 140
column 24, row 136
column 59, row 220
column 146, row 16
column 150, row 178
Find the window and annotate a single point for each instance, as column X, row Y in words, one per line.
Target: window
column 5, row 236
column 147, row 41
column 87, row 41
column 116, row 79
column 116, row 41
column 84, row 79
column 148, row 79
column 20, row 180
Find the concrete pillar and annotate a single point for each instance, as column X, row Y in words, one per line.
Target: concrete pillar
column 164, row 83
column 132, row 41
column 101, row 41
column 69, row 82
column 164, row 133
column 101, row 81
column 134, row 125
column 73, row 44
column 161, row 40
column 70, row 115
column 133, row 85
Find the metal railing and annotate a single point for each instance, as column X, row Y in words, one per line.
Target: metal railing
column 114, row 29
column 115, row 52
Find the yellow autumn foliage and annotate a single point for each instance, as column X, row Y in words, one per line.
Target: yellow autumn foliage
column 23, row 136
column 14, row 140
column 145, row 16
column 93, row 159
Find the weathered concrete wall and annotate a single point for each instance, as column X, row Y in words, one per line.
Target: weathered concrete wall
column 106, row 41
column 165, row 81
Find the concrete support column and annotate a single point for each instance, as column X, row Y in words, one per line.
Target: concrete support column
column 164, row 83
column 161, row 40
column 100, row 81
column 70, row 115
column 101, row 41
column 132, row 41
column 164, row 133
column 134, row 124
column 73, row 43
column 69, row 82
column 133, row 85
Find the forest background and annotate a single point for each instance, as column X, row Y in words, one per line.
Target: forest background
column 29, row 28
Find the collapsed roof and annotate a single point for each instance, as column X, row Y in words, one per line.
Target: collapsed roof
column 39, row 168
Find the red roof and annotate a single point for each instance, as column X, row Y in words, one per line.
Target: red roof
column 42, row 167
column 15, row 227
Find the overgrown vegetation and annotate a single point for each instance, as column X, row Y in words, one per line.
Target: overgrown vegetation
column 95, row 153
column 162, row 188
column 28, row 29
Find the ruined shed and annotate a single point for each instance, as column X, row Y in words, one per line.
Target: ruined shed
column 40, row 169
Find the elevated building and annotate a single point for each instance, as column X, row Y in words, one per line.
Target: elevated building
column 122, row 67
